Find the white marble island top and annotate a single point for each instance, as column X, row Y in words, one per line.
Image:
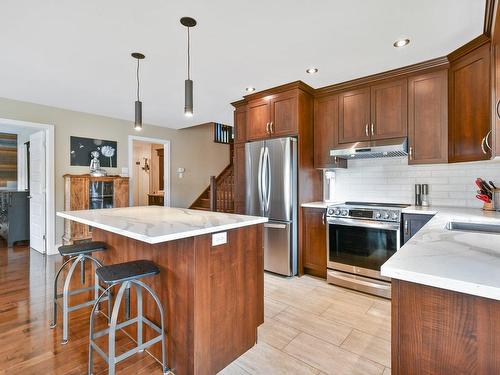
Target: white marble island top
column 467, row 262
column 155, row 224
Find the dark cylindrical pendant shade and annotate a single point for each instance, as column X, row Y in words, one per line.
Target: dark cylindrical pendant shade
column 188, row 97
column 138, row 115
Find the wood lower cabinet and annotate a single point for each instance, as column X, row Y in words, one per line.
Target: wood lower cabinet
column 441, row 332
column 314, row 241
column 388, row 110
column 354, row 116
column 469, row 106
column 412, row 223
column 239, row 178
column 428, row 118
column 84, row 192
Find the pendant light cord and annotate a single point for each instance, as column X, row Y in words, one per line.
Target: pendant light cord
column 189, row 56
column 138, row 84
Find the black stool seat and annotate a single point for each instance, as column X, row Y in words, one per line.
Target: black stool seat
column 82, row 248
column 121, row 272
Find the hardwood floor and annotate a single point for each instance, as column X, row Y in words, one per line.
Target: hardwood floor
column 310, row 328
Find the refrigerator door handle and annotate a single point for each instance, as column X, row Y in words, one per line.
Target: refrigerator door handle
column 259, row 179
column 268, row 179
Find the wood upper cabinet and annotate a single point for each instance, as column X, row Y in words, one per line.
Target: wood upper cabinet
column 388, row 110
column 326, row 119
column 273, row 116
column 239, row 178
column 469, row 106
column 258, row 119
column 314, row 241
column 428, row 118
column 354, row 116
column 240, row 122
column 284, row 116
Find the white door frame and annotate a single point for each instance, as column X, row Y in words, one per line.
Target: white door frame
column 50, row 206
column 166, row 165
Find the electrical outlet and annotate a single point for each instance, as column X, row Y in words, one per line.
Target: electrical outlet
column 219, row 238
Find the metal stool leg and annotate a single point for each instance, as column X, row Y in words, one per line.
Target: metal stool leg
column 54, row 317
column 65, row 299
column 139, row 315
column 112, row 328
column 165, row 368
column 91, row 329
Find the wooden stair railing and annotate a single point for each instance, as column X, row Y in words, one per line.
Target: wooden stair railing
column 218, row 196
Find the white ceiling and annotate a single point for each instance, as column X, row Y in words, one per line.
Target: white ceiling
column 76, row 54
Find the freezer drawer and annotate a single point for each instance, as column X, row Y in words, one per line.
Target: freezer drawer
column 279, row 248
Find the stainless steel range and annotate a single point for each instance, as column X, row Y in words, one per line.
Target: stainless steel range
column 361, row 236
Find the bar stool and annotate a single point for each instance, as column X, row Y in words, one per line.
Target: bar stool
column 78, row 253
column 126, row 275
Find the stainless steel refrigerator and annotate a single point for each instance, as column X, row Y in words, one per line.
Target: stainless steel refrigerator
column 271, row 191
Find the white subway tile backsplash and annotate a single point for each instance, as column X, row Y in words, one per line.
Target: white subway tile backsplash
column 393, row 180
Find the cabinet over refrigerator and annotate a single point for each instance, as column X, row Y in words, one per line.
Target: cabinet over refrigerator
column 271, row 191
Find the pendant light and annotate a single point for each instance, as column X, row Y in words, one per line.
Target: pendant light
column 188, row 83
column 138, row 104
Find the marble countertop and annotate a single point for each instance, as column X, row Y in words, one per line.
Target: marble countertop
column 461, row 261
column 429, row 210
column 155, row 224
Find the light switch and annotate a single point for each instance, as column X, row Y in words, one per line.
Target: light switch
column 219, row 238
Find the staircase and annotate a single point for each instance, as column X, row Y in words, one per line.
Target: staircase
column 218, row 196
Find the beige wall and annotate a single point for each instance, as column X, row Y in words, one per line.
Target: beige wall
column 191, row 148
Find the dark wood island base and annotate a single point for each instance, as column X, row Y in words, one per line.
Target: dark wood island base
column 442, row 332
column 213, row 296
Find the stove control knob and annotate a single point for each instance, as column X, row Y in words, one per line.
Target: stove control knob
column 330, row 211
column 394, row 215
column 337, row 211
column 377, row 214
column 344, row 212
column 386, row 215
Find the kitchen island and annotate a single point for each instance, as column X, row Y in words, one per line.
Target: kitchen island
column 211, row 283
column 446, row 296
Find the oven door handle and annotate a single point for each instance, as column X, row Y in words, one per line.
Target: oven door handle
column 365, row 224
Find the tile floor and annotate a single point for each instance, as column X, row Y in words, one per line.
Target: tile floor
column 312, row 327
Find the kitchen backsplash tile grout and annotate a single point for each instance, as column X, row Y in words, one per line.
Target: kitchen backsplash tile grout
column 393, row 180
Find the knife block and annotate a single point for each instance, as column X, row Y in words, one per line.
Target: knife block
column 489, row 206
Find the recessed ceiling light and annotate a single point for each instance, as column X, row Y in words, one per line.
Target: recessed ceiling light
column 401, row 42
column 312, row 70
column 250, row 89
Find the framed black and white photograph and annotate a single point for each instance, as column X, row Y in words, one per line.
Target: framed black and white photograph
column 81, row 149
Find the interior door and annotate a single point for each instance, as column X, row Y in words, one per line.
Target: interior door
column 354, row 116
column 37, row 191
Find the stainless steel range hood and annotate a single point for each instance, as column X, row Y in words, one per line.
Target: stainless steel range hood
column 385, row 148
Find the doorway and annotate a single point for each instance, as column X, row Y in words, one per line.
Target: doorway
column 149, row 171
column 33, row 185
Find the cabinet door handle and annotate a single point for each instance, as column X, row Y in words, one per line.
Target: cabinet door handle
column 486, row 140
column 410, row 153
column 482, row 146
column 373, row 129
column 323, row 218
column 407, row 227
column 271, row 127
column 498, row 105
column 267, row 128
column 366, row 130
